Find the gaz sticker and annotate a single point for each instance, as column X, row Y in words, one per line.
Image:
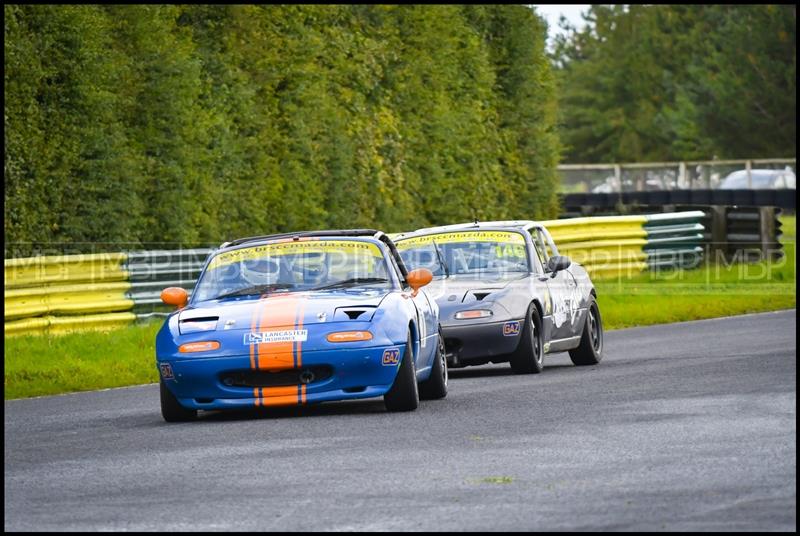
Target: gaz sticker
column 166, row 371
column 511, row 329
column 391, row 356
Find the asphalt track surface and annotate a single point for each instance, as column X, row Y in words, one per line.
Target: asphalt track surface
column 686, row 426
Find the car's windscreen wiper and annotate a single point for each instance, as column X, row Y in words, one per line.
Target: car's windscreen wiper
column 441, row 259
column 255, row 289
column 352, row 281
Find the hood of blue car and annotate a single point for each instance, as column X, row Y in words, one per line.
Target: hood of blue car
column 281, row 309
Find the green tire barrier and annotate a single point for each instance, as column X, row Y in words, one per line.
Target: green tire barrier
column 58, row 294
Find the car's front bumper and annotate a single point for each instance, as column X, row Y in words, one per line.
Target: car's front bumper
column 481, row 342
column 198, row 382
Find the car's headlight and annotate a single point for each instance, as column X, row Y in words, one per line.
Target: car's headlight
column 203, row 346
column 349, row 336
column 472, row 314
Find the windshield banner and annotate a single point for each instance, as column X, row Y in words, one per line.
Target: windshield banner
column 302, row 247
column 462, row 236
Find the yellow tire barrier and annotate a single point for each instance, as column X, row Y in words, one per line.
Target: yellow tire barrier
column 58, row 325
column 606, row 246
column 67, row 299
column 603, row 228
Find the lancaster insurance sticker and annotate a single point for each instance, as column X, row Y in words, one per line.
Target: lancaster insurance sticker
column 265, row 337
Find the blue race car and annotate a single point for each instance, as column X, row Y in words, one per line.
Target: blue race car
column 301, row 318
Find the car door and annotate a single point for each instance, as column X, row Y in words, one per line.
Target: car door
column 563, row 288
column 428, row 328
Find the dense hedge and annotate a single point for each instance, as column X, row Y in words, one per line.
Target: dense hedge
column 189, row 124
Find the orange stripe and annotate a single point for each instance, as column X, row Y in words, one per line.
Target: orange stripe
column 255, row 395
column 279, row 396
column 279, row 312
column 303, row 394
column 286, row 390
column 286, row 400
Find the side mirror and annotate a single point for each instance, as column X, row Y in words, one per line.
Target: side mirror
column 175, row 296
column 418, row 278
column 557, row 263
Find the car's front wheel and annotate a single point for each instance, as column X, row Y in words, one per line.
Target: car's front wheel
column 436, row 386
column 529, row 357
column 171, row 409
column 404, row 394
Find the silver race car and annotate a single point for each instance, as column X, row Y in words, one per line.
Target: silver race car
column 506, row 295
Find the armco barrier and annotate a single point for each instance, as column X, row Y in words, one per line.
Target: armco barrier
column 611, row 246
column 99, row 291
column 56, row 294
column 606, row 246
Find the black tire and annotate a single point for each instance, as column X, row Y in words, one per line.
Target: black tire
column 435, row 387
column 404, row 394
column 529, row 356
column 171, row 409
column 590, row 350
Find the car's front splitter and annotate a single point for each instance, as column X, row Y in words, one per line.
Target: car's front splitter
column 198, row 383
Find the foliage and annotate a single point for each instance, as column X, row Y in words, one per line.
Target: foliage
column 130, row 126
column 671, row 82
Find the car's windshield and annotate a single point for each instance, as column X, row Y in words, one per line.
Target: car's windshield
column 293, row 265
column 466, row 252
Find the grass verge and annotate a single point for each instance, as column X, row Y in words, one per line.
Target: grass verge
column 38, row 365
column 710, row 291
column 46, row 365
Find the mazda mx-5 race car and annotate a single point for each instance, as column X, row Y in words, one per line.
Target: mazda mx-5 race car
column 506, row 295
column 300, row 318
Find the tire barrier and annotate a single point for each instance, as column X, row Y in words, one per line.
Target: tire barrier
column 58, row 294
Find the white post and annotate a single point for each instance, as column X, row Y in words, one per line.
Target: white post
column 682, row 175
column 748, row 166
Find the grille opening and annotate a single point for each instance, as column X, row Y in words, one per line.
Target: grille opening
column 355, row 313
column 279, row 378
column 204, row 400
column 354, row 389
column 481, row 295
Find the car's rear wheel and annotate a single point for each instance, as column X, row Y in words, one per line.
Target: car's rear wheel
column 529, row 356
column 436, row 386
column 171, row 409
column 404, row 394
column 590, row 349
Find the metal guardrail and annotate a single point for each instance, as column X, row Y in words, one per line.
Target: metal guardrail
column 55, row 294
column 99, row 291
column 612, row 246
